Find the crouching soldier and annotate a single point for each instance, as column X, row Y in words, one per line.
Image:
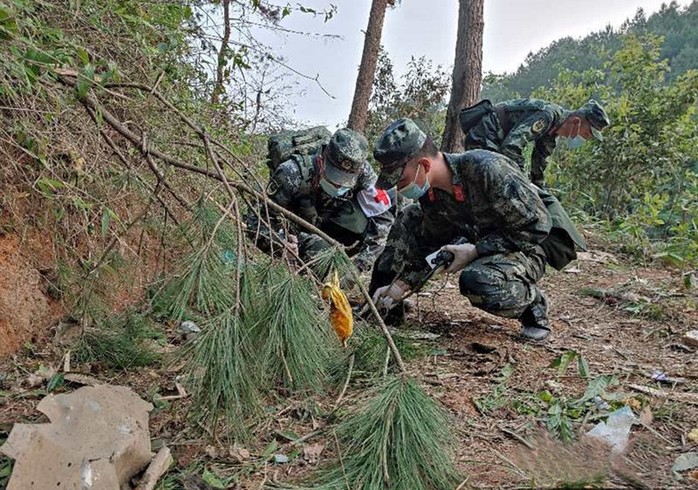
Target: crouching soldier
column 478, row 197
column 334, row 190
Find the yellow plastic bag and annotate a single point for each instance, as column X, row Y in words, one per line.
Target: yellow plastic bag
column 340, row 311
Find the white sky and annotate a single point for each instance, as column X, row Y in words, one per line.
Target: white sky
column 513, row 28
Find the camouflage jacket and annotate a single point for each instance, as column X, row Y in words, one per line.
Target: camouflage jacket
column 527, row 120
column 493, row 206
column 294, row 185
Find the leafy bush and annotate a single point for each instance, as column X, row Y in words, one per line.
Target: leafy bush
column 643, row 178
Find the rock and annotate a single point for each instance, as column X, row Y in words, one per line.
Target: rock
column 97, row 438
column 280, row 459
column 188, row 327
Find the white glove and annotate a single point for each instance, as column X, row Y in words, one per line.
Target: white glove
column 388, row 296
column 292, row 244
column 464, row 254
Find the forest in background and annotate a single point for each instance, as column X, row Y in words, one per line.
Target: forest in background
column 676, row 25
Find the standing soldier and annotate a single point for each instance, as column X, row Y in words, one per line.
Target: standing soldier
column 334, row 190
column 478, row 196
column 509, row 126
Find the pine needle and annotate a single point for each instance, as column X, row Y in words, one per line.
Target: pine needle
column 369, row 346
column 118, row 342
column 293, row 337
column 223, row 378
column 399, row 440
column 331, row 259
column 205, row 283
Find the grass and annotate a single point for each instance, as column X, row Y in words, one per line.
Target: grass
column 119, row 342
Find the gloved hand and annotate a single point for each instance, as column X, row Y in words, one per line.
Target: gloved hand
column 292, row 244
column 464, row 254
column 388, row 296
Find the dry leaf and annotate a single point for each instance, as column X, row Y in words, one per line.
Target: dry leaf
column 693, row 435
column 312, row 452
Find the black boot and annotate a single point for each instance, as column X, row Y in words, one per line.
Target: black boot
column 535, row 324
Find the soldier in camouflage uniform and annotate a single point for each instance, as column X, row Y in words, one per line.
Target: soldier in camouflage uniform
column 333, row 190
column 478, row 195
column 509, row 126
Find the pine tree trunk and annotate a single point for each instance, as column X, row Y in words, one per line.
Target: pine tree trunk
column 467, row 70
column 367, row 69
column 219, row 87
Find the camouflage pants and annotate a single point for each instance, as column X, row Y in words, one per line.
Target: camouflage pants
column 502, row 284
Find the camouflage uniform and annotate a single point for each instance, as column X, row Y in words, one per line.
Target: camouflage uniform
column 493, row 207
column 508, row 127
column 348, row 219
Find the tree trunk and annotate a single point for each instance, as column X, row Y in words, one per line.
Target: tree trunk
column 367, row 69
column 219, row 87
column 467, row 70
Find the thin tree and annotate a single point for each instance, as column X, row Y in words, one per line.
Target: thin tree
column 219, row 88
column 467, row 70
column 367, row 68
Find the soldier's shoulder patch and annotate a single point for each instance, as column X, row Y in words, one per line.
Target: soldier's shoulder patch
column 538, row 126
column 272, row 188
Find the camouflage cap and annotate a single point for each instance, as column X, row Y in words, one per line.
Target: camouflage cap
column 597, row 117
column 394, row 148
column 344, row 156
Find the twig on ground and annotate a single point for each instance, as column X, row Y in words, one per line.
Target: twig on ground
column 690, row 398
column 517, row 437
column 346, row 382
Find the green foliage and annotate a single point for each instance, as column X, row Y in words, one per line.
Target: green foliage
column 6, row 465
column 399, row 439
column 205, row 285
column 119, row 342
column 294, row 340
column 643, row 176
column 499, row 395
column 371, row 349
column 332, row 259
column 223, row 378
column 421, row 95
column 674, row 23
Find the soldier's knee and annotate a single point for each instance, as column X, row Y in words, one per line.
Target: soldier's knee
column 474, row 280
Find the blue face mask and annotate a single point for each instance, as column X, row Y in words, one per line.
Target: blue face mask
column 331, row 190
column 576, row 142
column 414, row 191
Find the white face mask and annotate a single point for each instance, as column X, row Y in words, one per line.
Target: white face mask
column 331, row 190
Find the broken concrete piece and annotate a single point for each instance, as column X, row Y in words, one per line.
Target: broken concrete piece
column 98, row 439
column 691, row 338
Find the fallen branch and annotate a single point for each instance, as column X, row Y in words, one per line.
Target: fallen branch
column 690, row 398
column 157, row 467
